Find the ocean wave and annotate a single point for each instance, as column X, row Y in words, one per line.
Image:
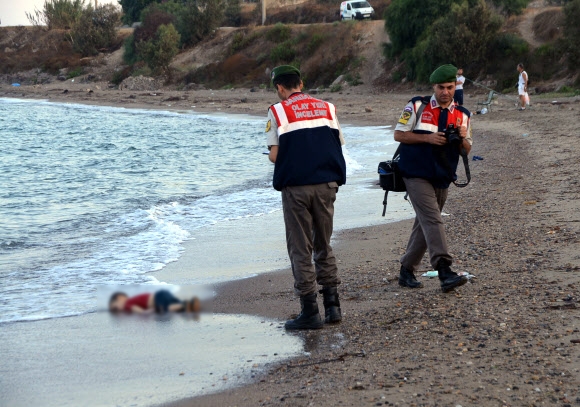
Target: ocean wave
column 115, row 199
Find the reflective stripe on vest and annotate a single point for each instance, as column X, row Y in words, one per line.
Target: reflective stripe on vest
column 428, row 122
column 302, row 111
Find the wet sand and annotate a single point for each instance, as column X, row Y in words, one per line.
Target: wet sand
column 134, row 360
column 510, row 338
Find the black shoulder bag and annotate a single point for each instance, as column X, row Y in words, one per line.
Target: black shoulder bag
column 390, row 177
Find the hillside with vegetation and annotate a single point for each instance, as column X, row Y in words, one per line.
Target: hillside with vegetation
column 221, row 43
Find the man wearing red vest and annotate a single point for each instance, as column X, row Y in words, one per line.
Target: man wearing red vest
column 428, row 162
column 305, row 141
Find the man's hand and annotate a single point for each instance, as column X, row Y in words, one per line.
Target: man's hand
column 408, row 137
column 463, row 134
column 273, row 153
column 438, row 139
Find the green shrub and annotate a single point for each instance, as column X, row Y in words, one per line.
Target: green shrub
column 78, row 71
column 397, row 76
column 357, row 62
column 407, row 20
column 57, row 14
column 132, row 9
column 141, row 69
column 572, row 32
column 566, row 89
column 353, row 80
column 198, row 19
column 279, row 33
column 262, row 58
column 160, row 50
column 461, row 37
column 336, row 88
column 315, row 41
column 302, row 36
column 509, row 45
column 152, row 18
column 233, row 13
column 96, row 29
column 284, row 52
column 510, row 7
column 242, row 40
column 130, row 55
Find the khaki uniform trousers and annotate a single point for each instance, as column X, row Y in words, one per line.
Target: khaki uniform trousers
column 428, row 230
column 308, row 216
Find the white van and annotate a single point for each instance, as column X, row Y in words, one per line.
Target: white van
column 355, row 10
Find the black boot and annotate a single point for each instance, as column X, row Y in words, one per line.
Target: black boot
column 407, row 279
column 449, row 279
column 332, row 312
column 309, row 317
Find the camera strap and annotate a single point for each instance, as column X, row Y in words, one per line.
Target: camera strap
column 467, row 172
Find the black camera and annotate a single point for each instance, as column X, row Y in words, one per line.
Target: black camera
column 452, row 135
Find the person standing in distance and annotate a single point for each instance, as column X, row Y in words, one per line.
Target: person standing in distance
column 522, row 86
column 458, row 96
column 428, row 163
column 305, row 143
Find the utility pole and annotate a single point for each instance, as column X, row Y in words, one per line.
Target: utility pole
column 263, row 12
column 96, row 4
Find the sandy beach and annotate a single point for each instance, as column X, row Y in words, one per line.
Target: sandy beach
column 511, row 338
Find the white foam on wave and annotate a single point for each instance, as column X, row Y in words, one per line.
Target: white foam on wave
column 352, row 165
column 240, row 119
column 21, row 101
column 150, row 240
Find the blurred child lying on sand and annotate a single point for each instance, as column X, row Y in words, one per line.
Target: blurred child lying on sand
column 161, row 301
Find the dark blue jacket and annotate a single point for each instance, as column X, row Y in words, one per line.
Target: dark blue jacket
column 309, row 150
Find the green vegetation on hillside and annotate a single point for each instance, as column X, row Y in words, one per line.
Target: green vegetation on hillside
column 168, row 27
column 95, row 29
column 57, row 14
column 91, row 29
column 572, row 33
column 254, row 50
column 425, row 34
column 482, row 36
column 191, row 12
column 510, row 7
column 160, row 50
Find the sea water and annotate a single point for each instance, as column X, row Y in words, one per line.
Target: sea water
column 94, row 196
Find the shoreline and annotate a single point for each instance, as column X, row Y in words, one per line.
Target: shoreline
column 478, row 346
column 516, row 233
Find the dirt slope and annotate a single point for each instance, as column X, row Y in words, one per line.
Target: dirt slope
column 525, row 26
column 244, row 56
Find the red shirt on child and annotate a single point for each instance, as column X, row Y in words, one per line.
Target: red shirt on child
column 141, row 300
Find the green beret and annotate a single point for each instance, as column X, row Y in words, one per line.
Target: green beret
column 284, row 70
column 443, row 74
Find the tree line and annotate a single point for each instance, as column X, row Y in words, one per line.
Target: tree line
column 424, row 34
column 166, row 26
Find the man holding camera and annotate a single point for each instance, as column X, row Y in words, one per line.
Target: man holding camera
column 432, row 132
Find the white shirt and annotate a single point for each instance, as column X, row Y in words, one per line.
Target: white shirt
column 460, row 78
column 521, row 80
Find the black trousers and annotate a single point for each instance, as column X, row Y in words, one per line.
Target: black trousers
column 458, row 96
column 163, row 299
